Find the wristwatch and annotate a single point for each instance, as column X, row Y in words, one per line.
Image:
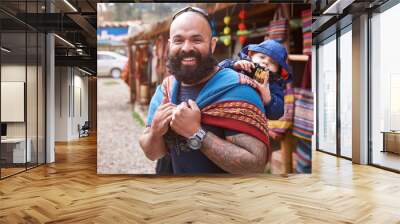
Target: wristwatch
column 195, row 141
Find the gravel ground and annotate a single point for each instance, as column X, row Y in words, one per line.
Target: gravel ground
column 118, row 150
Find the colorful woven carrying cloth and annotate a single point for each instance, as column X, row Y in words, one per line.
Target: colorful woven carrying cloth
column 228, row 100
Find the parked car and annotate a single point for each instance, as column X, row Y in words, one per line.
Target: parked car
column 110, row 64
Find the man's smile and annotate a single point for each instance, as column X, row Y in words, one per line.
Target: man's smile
column 188, row 61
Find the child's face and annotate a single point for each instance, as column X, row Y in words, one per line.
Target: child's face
column 265, row 61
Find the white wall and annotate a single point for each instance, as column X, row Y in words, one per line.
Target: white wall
column 33, row 126
column 71, row 93
column 17, row 73
column 62, row 81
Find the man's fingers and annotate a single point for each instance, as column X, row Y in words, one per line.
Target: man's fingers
column 193, row 105
column 170, row 106
column 168, row 110
column 168, row 113
column 183, row 104
column 166, row 105
column 175, row 126
column 163, row 114
column 167, row 121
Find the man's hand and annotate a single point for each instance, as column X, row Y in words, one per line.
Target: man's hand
column 162, row 118
column 186, row 119
column 243, row 65
column 152, row 141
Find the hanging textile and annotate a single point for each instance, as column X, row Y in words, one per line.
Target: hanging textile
column 278, row 27
column 304, row 121
column 307, row 32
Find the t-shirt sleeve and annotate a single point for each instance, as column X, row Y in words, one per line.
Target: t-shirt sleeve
column 218, row 131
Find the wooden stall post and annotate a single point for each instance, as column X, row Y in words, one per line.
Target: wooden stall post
column 131, row 78
column 288, row 144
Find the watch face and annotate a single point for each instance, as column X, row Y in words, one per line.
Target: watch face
column 194, row 143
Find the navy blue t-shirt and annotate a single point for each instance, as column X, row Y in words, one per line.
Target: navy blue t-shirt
column 192, row 161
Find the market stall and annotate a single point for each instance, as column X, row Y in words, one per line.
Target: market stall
column 235, row 25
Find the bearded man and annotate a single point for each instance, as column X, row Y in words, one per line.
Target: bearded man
column 207, row 119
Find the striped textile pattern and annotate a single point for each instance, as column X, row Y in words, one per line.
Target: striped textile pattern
column 303, row 156
column 303, row 114
column 307, row 36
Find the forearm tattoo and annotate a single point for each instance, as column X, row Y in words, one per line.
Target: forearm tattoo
column 239, row 154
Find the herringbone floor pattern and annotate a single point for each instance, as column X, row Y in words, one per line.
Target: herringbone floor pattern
column 70, row 191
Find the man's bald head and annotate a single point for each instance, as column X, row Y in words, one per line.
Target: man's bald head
column 189, row 21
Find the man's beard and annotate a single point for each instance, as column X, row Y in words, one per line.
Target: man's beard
column 191, row 74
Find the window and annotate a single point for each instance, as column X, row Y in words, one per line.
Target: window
column 385, row 87
column 346, row 74
column 327, row 95
column 22, row 67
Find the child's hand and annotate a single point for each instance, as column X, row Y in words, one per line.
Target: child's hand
column 264, row 90
column 265, row 94
column 243, row 65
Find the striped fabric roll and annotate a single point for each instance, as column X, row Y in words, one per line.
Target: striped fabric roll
column 278, row 30
column 303, row 156
column 278, row 27
column 307, row 36
column 303, row 114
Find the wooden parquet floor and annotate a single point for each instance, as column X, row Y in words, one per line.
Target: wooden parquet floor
column 70, row 191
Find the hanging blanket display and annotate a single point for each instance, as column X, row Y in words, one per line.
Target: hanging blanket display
column 162, row 57
column 127, row 69
column 303, row 122
column 278, row 27
column 307, row 36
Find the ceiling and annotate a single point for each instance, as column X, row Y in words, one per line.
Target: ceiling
column 72, row 20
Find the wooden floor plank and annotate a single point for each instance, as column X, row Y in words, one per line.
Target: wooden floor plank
column 70, row 191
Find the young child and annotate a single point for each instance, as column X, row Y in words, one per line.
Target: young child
column 271, row 56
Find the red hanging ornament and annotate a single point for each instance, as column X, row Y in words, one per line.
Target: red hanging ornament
column 242, row 39
column 242, row 14
column 242, row 26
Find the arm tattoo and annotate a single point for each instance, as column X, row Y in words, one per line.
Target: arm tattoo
column 242, row 153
